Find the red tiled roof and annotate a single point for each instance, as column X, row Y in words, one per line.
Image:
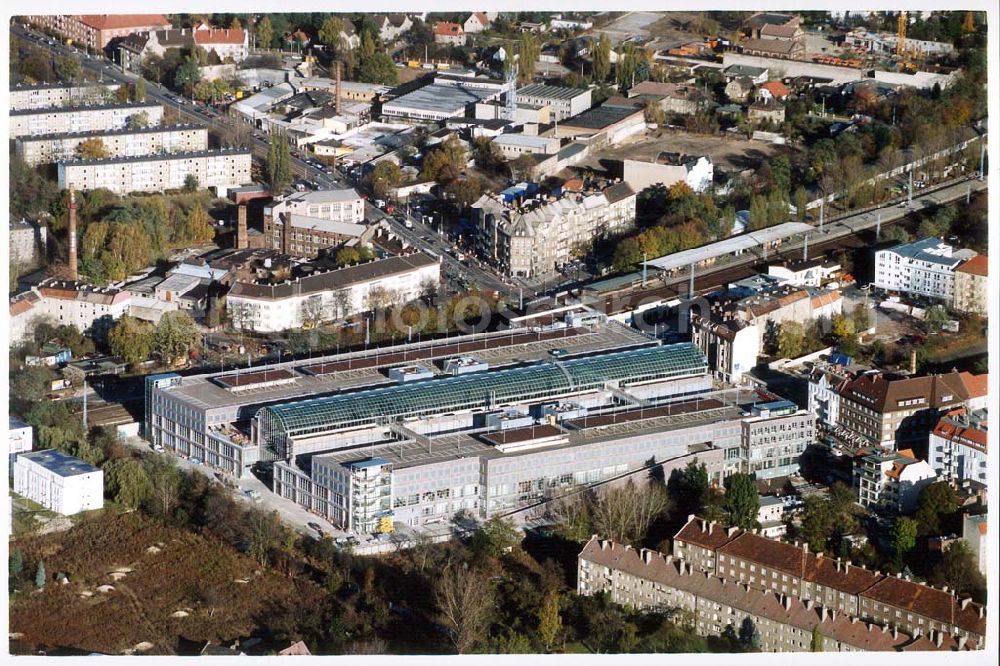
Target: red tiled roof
column 776, row 88
column 778, row 30
column 219, row 36
column 839, row 575
column 446, row 28
column 713, row 537
column 770, row 553
column 976, row 386
column 119, row 21
column 928, row 601
column 962, row 434
column 978, row 265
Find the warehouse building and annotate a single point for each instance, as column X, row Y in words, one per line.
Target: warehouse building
column 562, row 101
column 45, row 95
column 44, row 148
column 94, row 118
column 218, row 169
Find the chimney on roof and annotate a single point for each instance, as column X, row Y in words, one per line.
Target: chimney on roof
column 913, row 361
column 647, row 555
column 337, row 90
column 939, row 638
column 72, row 234
column 854, row 620
column 961, row 642
column 787, row 602
column 808, row 604
column 805, row 547
column 730, row 531
column 944, row 588
column 965, row 602
column 982, row 611
column 833, row 614
column 895, row 631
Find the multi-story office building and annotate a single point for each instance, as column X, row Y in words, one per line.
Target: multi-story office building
column 332, row 295
column 890, row 480
column 731, row 346
column 957, row 446
column 42, row 148
column 972, row 285
column 563, row 102
column 45, row 95
column 305, row 223
column 534, row 237
column 925, row 268
column 59, row 482
column 747, row 559
column 92, row 118
column 218, row 169
column 648, row 580
column 774, row 437
column 94, row 31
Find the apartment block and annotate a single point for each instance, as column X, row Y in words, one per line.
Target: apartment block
column 92, row 118
column 653, row 581
column 43, row 148
column 94, row 31
column 45, row 95
column 534, row 236
column 925, row 268
column 218, row 169
column 972, row 286
column 890, row 480
column 28, row 244
column 744, row 558
column 92, row 310
column 731, row 346
column 59, row 482
column 957, row 446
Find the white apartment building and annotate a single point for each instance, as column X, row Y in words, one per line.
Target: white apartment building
column 774, row 437
column 892, row 480
column 92, row 310
column 332, row 295
column 925, row 267
column 974, row 532
column 731, row 346
column 563, row 102
column 19, row 439
column 957, row 446
column 771, row 516
column 45, row 95
column 59, row 482
column 219, row 169
column 335, row 205
column 669, row 168
column 65, row 119
column 538, row 235
column 45, row 148
column 825, row 384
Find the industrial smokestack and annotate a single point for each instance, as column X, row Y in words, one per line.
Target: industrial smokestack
column 337, row 90
column 241, row 227
column 913, row 361
column 73, row 274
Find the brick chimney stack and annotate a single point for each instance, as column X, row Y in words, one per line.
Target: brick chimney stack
column 337, row 90
column 241, row 227
column 73, row 274
column 286, row 233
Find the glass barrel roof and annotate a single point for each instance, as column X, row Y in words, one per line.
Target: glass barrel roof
column 497, row 387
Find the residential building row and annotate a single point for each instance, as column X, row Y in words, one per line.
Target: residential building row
column 45, row 148
column 784, row 621
column 45, row 95
column 94, row 31
column 327, row 296
column 92, row 118
column 219, row 169
column 927, row 267
column 535, row 236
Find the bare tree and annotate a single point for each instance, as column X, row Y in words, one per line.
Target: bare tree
column 465, row 602
column 313, row 311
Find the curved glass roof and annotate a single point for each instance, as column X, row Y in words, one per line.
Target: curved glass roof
column 439, row 396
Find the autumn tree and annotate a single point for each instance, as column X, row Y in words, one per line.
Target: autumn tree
column 265, row 33
column 791, row 339
column 816, row 642
column 198, row 225
column 91, row 149
column 69, row 68
column 329, row 32
column 165, row 480
column 138, row 121
column 625, row 513
column 384, row 178
column 464, row 599
column 131, row 340
column 140, row 90
column 549, row 620
column 654, row 113
column 175, row 336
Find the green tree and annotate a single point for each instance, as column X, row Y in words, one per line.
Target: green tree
column 384, row 178
column 527, row 57
column 902, row 537
column 959, row 570
column 15, row 565
column 131, row 340
column 40, row 575
column 379, row 68
column 742, row 501
column 140, row 90
column 278, row 167
column 69, row 68
column 127, row 481
column 197, row 226
column 935, row 317
column 512, row 642
column 329, row 32
column 861, row 317
column 188, row 75
column 190, row 183
column 816, row 644
column 842, row 327
column 791, row 339
column 175, row 336
column 265, row 33
column 549, row 620
column 138, row 120
column 935, row 500
column 494, row 538
column 801, row 200
column 602, row 58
